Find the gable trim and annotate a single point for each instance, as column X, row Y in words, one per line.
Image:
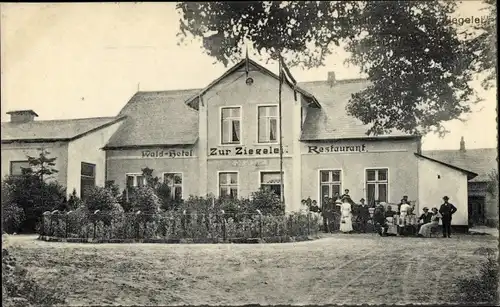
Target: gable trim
column 259, row 67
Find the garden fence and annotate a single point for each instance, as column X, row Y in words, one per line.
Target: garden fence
column 220, row 227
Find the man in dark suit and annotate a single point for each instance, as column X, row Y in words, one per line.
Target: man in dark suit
column 447, row 210
column 380, row 221
column 363, row 215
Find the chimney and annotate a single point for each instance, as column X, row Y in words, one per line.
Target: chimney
column 462, row 144
column 331, row 77
column 22, row 116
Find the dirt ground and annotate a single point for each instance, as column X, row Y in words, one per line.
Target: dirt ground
column 338, row 269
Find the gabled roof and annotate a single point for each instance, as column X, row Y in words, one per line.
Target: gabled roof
column 332, row 121
column 157, row 119
column 193, row 101
column 53, row 130
column 470, row 175
column 481, row 161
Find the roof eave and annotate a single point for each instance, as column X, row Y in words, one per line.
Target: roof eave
column 53, row 140
column 122, row 147
column 367, row 138
column 39, row 140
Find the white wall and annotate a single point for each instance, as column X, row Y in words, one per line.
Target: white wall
column 20, row 151
column 437, row 180
column 88, row 149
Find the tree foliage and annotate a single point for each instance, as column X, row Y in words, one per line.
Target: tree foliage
column 33, row 194
column 482, row 41
column 42, row 165
column 418, row 65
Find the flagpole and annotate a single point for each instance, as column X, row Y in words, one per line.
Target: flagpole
column 282, row 194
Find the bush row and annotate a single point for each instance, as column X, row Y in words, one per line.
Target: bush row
column 82, row 223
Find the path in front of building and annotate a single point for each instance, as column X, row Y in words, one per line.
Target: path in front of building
column 484, row 229
column 337, row 269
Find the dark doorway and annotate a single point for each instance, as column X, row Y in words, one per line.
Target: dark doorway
column 476, row 210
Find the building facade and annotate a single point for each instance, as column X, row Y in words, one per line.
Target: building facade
column 224, row 140
column 76, row 144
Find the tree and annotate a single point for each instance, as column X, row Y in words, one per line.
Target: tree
column 492, row 186
column 33, row 194
column 482, row 40
column 42, row 165
column 418, row 66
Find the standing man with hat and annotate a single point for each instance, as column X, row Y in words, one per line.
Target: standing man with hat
column 447, row 210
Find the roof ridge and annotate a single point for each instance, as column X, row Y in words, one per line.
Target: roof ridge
column 65, row 119
column 458, row 150
column 167, row 91
column 341, row 81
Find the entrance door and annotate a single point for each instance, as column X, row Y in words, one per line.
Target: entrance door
column 476, row 210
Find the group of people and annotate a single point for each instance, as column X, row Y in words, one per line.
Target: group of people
column 425, row 223
column 343, row 205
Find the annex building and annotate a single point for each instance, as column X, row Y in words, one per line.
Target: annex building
column 224, row 140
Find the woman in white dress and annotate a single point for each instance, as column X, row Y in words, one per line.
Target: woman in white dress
column 346, row 216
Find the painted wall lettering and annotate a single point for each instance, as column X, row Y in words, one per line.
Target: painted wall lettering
column 334, row 148
column 244, row 151
column 172, row 153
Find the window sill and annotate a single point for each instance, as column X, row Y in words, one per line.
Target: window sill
column 227, row 145
column 264, row 144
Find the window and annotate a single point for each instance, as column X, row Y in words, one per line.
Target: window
column 16, row 167
column 174, row 182
column 271, row 181
column 135, row 180
column 377, row 185
column 87, row 178
column 330, row 183
column 268, row 124
column 230, row 125
column 228, row 184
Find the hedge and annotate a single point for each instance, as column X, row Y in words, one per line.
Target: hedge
column 172, row 226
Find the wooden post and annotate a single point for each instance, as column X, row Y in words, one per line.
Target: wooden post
column 51, row 228
column 260, row 225
column 308, row 224
column 66, row 226
column 224, row 234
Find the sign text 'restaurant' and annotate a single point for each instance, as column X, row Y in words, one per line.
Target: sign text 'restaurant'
column 334, row 148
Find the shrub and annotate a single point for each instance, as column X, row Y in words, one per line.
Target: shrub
column 484, row 287
column 124, row 201
column 34, row 196
column 73, row 202
column 12, row 214
column 145, row 200
column 267, row 202
column 99, row 198
column 113, row 188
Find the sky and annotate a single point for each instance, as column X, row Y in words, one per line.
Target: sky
column 74, row 60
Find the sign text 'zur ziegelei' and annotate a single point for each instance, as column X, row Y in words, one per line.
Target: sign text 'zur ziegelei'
column 244, row 151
